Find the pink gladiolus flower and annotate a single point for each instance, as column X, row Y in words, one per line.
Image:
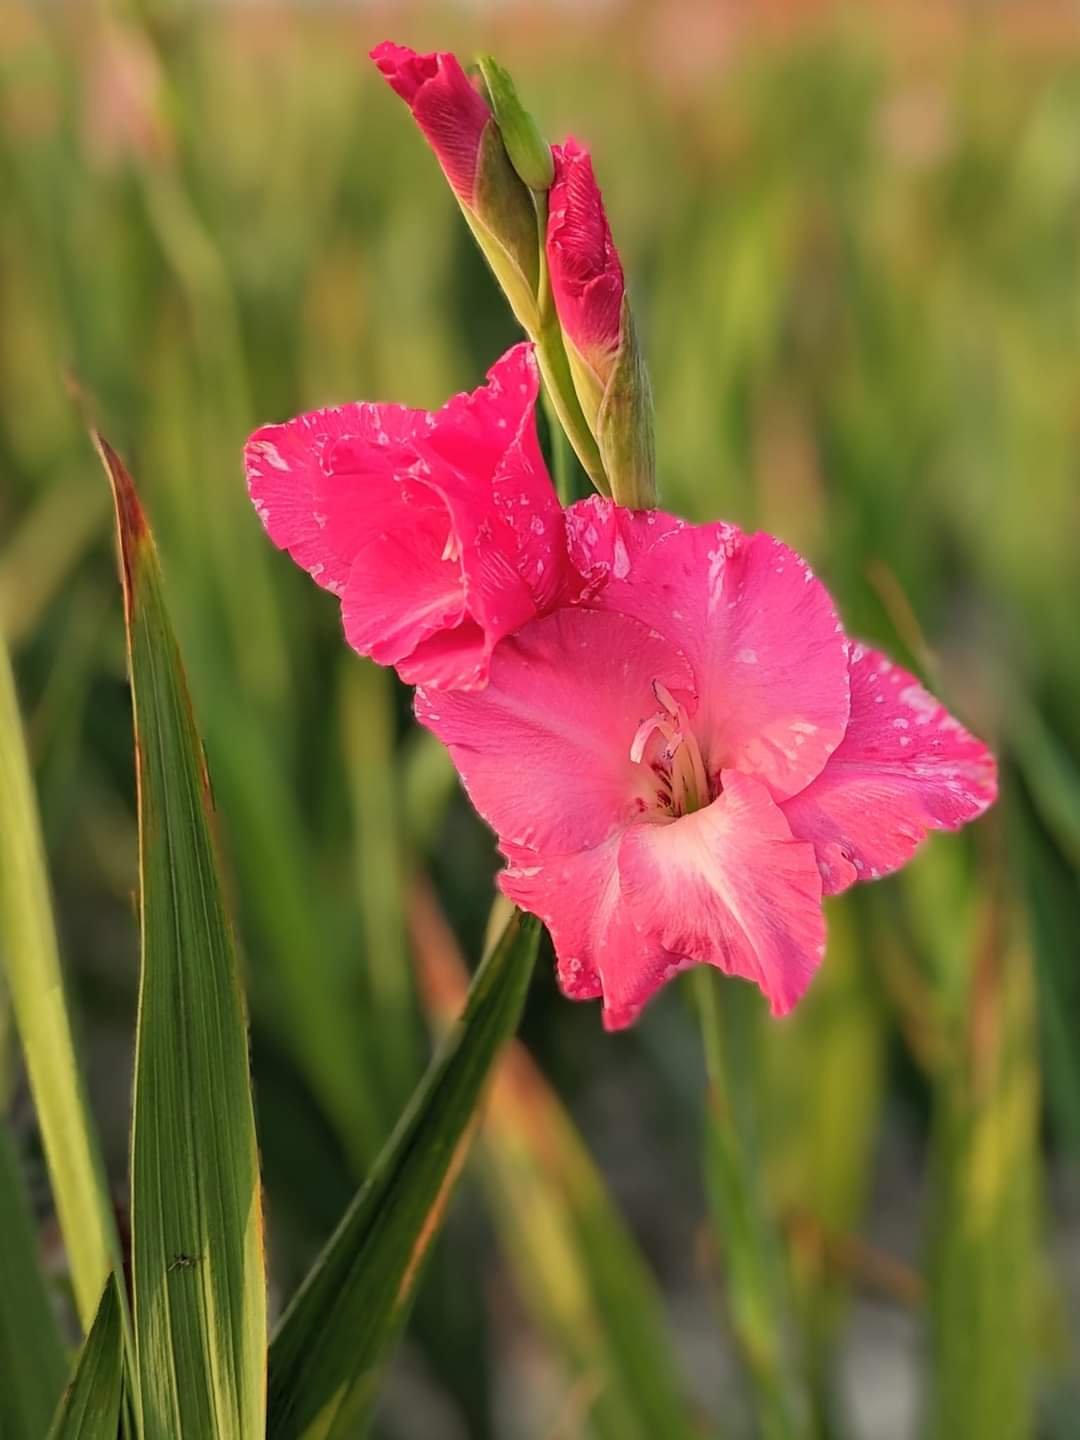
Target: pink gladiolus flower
column 440, row 533
column 680, row 768
column 450, row 113
column 586, row 275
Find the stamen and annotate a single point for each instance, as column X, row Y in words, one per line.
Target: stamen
column 680, row 767
column 452, row 548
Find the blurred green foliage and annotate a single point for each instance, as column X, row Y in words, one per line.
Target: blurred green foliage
column 854, row 260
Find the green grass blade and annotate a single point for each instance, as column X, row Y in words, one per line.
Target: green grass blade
column 575, row 1262
column 368, row 741
column 745, row 1235
column 197, row 1253
column 31, row 1353
column 90, row 1408
column 985, row 1290
column 327, row 1356
column 28, row 945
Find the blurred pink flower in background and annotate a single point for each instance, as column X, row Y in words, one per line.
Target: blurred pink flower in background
column 440, row 533
column 679, row 769
column 123, row 107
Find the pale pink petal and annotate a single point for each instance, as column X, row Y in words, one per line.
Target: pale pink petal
column 726, row 886
column 544, row 750
column 311, row 480
column 904, row 767
column 760, row 631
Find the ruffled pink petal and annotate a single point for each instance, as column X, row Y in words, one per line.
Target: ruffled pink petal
column 725, row 886
column 599, row 951
column 311, row 479
column 474, row 430
column 577, row 898
column 904, row 767
column 423, row 522
column 544, row 750
column 514, row 546
column 761, row 633
column 402, row 587
column 450, row 113
column 456, row 658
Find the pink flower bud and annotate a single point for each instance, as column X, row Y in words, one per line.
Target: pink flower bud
column 450, row 113
column 458, row 124
column 586, row 276
column 608, row 370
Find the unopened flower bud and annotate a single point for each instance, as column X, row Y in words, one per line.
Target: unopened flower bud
column 590, row 298
column 529, row 152
column 459, row 125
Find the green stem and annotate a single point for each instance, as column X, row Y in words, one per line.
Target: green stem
column 562, row 469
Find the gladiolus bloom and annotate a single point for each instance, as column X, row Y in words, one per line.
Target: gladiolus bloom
column 440, row 533
column 680, row 768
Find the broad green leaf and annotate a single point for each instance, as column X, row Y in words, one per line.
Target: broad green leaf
column 29, row 950
column 575, row 1263
column 32, row 1360
column 90, row 1407
column 197, row 1253
column 328, row 1354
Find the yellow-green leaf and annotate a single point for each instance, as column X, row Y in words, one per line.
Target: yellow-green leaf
column 28, row 947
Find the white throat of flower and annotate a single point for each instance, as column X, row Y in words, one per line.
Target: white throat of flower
column 667, row 745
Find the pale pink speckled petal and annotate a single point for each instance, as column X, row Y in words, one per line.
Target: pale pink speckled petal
column 764, row 641
column 728, row 886
column 544, row 750
column 904, row 767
